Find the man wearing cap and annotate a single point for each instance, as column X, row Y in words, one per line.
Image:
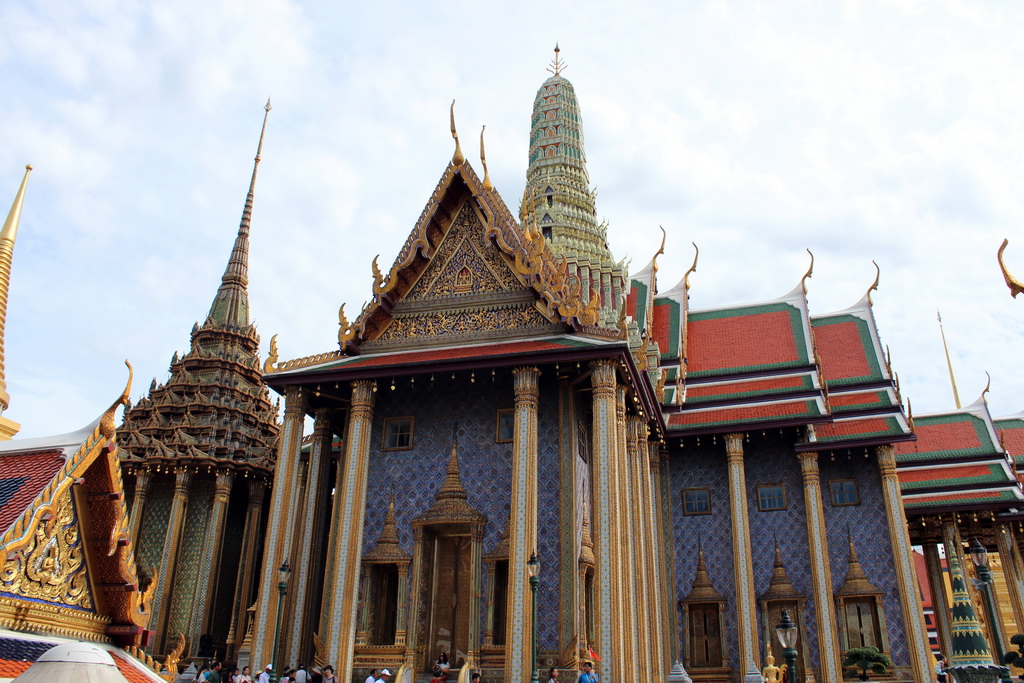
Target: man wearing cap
column 265, row 676
column 372, row 678
column 384, row 676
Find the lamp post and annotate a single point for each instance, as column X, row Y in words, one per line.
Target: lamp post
column 533, row 569
column 282, row 588
column 786, row 632
column 984, row 581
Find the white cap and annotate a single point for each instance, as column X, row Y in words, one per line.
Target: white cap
column 385, row 672
column 268, row 667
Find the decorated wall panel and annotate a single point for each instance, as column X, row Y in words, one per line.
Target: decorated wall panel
column 193, row 556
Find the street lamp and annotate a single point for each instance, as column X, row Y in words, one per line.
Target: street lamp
column 533, row 569
column 979, row 555
column 282, row 588
column 786, row 632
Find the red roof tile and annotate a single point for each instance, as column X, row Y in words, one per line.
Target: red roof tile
column 1013, row 439
column 759, row 413
column 9, row 669
column 940, row 437
column 959, row 497
column 859, row 398
column 129, row 671
column 853, row 428
column 666, row 326
column 841, row 351
column 939, row 474
column 740, row 341
column 746, row 388
column 22, row 477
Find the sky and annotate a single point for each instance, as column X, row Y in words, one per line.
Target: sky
column 875, row 130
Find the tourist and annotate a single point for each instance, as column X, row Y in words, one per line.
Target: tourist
column 329, row 676
column 439, row 676
column 552, row 675
column 940, row 664
column 244, row 676
column 442, row 662
column 264, row 677
column 300, row 674
column 214, row 675
column 588, row 675
column 475, row 678
column 315, row 676
column 372, row 678
column 384, row 676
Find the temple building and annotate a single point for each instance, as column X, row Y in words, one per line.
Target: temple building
column 198, row 453
column 683, row 474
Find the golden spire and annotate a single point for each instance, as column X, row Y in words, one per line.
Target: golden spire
column 488, row 185
column 458, row 158
column 556, row 64
column 949, row 363
column 7, row 237
column 1015, row 285
column 231, row 304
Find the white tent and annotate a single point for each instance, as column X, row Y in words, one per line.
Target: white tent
column 73, row 663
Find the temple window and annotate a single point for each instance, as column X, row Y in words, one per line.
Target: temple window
column 705, row 636
column 398, row 433
column 862, row 623
column 844, row 492
column 771, row 497
column 696, row 501
column 384, row 596
column 505, row 423
column 858, row 606
column 500, row 600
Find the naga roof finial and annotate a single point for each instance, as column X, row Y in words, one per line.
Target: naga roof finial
column 556, row 64
column 874, row 285
column 1015, row 285
column 488, row 185
column 809, row 273
column 661, row 250
column 693, row 268
column 458, row 158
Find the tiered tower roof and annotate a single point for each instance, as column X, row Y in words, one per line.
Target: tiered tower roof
column 214, row 405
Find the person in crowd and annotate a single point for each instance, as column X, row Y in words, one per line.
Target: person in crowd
column 442, row 662
column 940, row 664
column 300, row 674
column 372, row 678
column 264, row 676
column 329, row 676
column 552, row 675
column 588, row 675
column 385, row 675
column 439, row 676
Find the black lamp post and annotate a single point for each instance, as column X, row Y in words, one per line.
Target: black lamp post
column 984, row 581
column 282, row 588
column 786, row 632
column 533, row 569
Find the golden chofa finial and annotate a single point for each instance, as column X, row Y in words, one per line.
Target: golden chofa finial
column 458, row 158
column 874, row 285
column 1015, row 285
column 693, row 268
column 556, row 64
column 488, row 185
column 809, row 273
column 661, row 250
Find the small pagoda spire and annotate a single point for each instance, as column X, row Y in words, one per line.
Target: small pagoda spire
column 949, row 363
column 968, row 641
column 7, row 237
column 557, row 64
column 231, row 304
column 702, row 588
column 857, row 582
column 452, row 488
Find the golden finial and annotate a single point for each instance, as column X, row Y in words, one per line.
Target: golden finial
column 949, row 363
column 272, row 356
column 345, row 331
column 7, row 237
column 107, row 426
column 458, row 158
column 874, row 285
column 988, row 385
column 809, row 273
column 488, row 185
column 910, row 416
column 661, row 250
column 693, row 268
column 556, row 64
column 1015, row 285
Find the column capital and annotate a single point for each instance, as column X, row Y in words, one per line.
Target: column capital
column 322, row 421
column 294, row 400
column 809, row 466
column 603, row 376
column 525, row 383
column 257, row 489
column 734, row 446
column 142, row 478
column 886, row 459
column 182, row 481
column 363, row 393
column 225, row 478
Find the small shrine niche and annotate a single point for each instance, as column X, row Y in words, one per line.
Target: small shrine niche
column 463, row 281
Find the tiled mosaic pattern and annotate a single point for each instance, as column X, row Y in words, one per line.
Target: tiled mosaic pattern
column 416, row 475
column 193, row 556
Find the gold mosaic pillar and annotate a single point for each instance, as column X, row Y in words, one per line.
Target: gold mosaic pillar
column 667, row 553
column 363, row 624
column 350, row 512
column 403, row 600
column 638, row 540
column 1013, row 570
column 569, row 507
column 206, row 585
column 821, row 574
column 629, row 662
column 606, row 585
column 742, row 560
column 522, row 540
column 654, row 546
column 489, row 622
column 307, row 543
column 246, row 568
column 142, row 479
column 921, row 661
column 276, row 544
column 412, row 620
column 940, row 601
column 169, row 558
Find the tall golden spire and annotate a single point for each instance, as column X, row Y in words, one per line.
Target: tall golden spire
column 949, row 363
column 231, row 304
column 7, row 236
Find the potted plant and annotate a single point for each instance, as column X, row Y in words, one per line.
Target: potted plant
column 1016, row 659
column 859, row 660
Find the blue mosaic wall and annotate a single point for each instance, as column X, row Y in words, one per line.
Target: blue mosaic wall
column 771, row 460
column 870, row 531
column 417, row 474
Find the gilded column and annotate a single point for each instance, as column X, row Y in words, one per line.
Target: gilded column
column 1013, row 570
column 639, row 539
column 522, row 540
column 821, row 575
column 629, row 661
column 277, row 543
column 743, row 566
column 906, row 578
column 412, row 620
column 489, row 624
column 246, row 570
column 307, row 555
column 606, row 585
column 476, row 588
column 350, row 513
column 169, row 558
column 206, row 585
column 569, row 506
column 652, row 548
column 142, row 479
column 667, row 567
column 940, row 600
column 403, row 599
column 363, row 627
